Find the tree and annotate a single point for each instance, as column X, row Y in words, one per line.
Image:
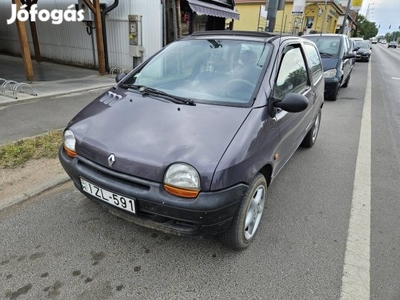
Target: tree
column 365, row 28
column 394, row 36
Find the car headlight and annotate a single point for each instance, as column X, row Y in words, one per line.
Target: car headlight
column 330, row 73
column 182, row 180
column 69, row 143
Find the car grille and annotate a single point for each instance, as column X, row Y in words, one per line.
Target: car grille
column 112, row 175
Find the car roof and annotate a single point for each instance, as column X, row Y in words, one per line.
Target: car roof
column 324, row 35
column 256, row 35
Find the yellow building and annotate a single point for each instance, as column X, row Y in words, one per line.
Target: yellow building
column 318, row 16
column 252, row 15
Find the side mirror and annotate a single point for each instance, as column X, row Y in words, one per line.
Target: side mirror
column 119, row 77
column 350, row 55
column 291, row 102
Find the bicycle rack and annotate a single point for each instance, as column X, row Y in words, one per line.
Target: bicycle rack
column 7, row 83
column 15, row 87
column 114, row 70
column 19, row 87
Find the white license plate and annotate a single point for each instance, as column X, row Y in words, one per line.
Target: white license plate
column 109, row 197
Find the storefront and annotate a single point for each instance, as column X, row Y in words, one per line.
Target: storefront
column 201, row 15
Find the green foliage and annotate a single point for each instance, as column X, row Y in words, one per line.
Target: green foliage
column 42, row 146
column 365, row 28
column 394, row 36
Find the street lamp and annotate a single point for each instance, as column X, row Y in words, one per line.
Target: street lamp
column 368, row 10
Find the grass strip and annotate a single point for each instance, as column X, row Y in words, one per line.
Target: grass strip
column 16, row 154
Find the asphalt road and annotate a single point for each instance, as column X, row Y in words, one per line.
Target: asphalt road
column 43, row 115
column 61, row 245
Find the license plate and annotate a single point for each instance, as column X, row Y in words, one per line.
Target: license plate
column 109, row 197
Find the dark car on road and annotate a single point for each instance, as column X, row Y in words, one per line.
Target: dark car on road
column 392, row 44
column 189, row 141
column 363, row 51
column 337, row 55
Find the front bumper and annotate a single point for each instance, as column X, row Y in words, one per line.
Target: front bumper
column 209, row 213
column 363, row 57
column 331, row 86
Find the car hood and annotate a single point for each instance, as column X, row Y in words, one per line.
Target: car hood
column 329, row 63
column 362, row 50
column 147, row 134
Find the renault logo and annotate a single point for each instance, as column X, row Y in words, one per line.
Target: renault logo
column 111, row 159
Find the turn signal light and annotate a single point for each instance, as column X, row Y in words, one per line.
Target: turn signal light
column 69, row 152
column 181, row 192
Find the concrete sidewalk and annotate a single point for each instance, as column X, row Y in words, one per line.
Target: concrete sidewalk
column 51, row 80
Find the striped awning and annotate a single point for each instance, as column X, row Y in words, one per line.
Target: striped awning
column 212, row 9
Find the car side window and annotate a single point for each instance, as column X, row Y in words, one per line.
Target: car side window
column 292, row 76
column 345, row 46
column 314, row 62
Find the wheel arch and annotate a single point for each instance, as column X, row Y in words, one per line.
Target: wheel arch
column 266, row 171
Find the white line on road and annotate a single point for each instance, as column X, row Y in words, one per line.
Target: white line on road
column 356, row 270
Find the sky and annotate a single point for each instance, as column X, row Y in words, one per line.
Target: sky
column 384, row 13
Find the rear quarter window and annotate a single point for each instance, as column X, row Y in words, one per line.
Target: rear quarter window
column 314, row 62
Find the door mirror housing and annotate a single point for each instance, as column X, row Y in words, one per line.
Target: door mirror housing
column 349, row 55
column 119, row 77
column 291, row 102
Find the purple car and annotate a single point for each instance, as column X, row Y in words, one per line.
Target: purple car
column 188, row 142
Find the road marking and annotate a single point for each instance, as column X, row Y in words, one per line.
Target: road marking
column 396, row 78
column 356, row 270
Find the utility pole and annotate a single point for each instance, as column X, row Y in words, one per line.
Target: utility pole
column 271, row 16
column 345, row 17
column 273, row 7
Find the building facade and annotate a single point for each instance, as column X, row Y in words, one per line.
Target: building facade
column 319, row 16
column 253, row 15
column 133, row 30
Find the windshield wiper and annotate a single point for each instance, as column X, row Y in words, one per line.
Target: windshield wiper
column 145, row 90
column 326, row 54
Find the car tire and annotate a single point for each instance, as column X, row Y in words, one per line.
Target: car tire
column 346, row 83
column 311, row 136
column 248, row 216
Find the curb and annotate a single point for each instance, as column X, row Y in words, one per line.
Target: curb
column 37, row 98
column 7, row 203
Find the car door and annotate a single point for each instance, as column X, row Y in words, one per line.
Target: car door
column 347, row 63
column 292, row 77
column 315, row 67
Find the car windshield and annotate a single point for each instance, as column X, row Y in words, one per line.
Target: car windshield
column 362, row 45
column 223, row 72
column 328, row 46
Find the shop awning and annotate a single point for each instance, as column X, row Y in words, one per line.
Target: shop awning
column 212, row 10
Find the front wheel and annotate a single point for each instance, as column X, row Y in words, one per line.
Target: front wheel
column 311, row 136
column 346, row 83
column 247, row 219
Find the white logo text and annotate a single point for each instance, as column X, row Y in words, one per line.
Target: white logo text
column 57, row 16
